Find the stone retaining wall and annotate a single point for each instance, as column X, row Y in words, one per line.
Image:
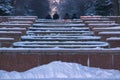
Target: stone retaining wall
column 22, row 60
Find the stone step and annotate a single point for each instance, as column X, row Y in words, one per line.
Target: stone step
column 59, row 32
column 112, row 29
column 75, row 21
column 8, row 25
column 60, row 38
column 22, row 30
column 58, row 29
column 58, row 25
column 6, row 42
column 96, row 22
column 102, row 25
column 20, row 22
column 11, row 34
column 89, row 44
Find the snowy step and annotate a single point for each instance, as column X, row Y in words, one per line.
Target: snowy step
column 107, row 34
column 59, row 32
column 8, row 25
column 75, row 21
column 2, row 39
column 69, row 79
column 58, row 29
column 103, row 25
column 100, row 22
column 11, row 34
column 20, row 22
column 107, row 29
column 58, row 25
column 22, row 19
column 87, row 44
column 114, row 38
column 112, row 29
column 92, row 16
column 6, row 42
column 60, row 38
column 23, row 30
column 86, row 18
column 114, row 42
column 117, row 33
column 11, row 29
column 78, row 34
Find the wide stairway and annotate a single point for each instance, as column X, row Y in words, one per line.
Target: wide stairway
column 27, row 42
column 60, row 34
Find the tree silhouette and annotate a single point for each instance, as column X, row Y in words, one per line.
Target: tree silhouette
column 103, row 7
column 5, row 8
column 40, row 8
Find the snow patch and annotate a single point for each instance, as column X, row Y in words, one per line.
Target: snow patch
column 60, row 69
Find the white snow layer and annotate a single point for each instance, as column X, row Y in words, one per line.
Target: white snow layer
column 60, row 69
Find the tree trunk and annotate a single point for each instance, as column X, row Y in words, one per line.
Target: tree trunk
column 116, row 7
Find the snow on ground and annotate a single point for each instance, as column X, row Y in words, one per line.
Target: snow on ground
column 60, row 69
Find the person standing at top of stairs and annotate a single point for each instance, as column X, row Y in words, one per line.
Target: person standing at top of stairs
column 56, row 16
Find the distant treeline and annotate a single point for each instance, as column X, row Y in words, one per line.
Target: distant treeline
column 41, row 8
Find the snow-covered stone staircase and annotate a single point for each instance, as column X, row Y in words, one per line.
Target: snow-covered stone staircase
column 60, row 34
column 60, row 40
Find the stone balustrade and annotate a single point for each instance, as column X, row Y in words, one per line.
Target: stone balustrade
column 104, row 35
column 11, row 34
column 22, row 30
column 6, row 42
